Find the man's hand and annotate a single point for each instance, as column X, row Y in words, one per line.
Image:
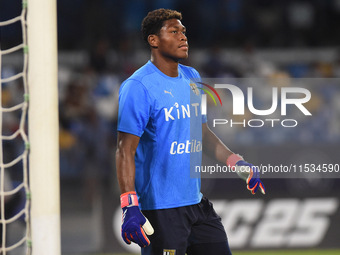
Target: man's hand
column 135, row 227
column 248, row 172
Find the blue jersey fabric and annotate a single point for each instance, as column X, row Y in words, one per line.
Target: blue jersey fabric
column 165, row 112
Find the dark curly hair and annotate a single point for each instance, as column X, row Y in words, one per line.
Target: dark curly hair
column 153, row 22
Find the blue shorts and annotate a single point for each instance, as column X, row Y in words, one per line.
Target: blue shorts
column 180, row 230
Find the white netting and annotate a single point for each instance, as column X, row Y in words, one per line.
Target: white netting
column 8, row 189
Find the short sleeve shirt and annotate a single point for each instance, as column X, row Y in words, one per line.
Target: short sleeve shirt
column 165, row 112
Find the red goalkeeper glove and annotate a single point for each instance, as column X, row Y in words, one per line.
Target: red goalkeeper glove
column 248, row 172
column 135, row 227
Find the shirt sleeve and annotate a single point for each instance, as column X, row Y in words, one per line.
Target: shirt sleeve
column 134, row 108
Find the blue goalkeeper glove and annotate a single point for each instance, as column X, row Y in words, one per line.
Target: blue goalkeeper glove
column 135, row 227
column 248, row 172
column 253, row 181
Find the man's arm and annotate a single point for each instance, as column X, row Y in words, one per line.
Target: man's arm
column 134, row 226
column 216, row 149
column 213, row 146
column 125, row 161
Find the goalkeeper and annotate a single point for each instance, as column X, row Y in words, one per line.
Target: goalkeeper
column 160, row 136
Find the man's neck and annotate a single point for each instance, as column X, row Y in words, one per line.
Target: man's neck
column 167, row 66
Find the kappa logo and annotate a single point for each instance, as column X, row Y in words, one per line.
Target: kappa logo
column 169, row 252
column 168, row 92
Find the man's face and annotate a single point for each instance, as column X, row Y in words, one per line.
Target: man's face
column 172, row 40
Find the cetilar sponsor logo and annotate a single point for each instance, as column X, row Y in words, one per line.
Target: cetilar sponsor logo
column 185, row 147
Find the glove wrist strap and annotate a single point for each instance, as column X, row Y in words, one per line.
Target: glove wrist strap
column 128, row 199
column 233, row 159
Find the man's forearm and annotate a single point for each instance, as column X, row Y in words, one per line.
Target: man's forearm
column 125, row 171
column 125, row 161
column 214, row 148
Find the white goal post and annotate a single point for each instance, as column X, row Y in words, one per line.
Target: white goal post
column 43, row 127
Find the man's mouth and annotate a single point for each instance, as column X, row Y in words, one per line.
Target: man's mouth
column 184, row 46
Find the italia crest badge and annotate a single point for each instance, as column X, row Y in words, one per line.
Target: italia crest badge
column 194, row 88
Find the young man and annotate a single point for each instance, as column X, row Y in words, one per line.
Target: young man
column 160, row 130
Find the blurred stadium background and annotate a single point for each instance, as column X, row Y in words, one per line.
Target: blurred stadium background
column 100, row 45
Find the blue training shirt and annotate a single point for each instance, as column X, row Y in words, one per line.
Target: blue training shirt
column 165, row 112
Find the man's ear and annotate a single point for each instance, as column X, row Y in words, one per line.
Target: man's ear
column 153, row 41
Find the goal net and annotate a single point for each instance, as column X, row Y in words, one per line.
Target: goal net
column 11, row 192
column 29, row 133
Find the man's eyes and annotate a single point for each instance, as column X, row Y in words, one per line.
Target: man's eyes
column 184, row 32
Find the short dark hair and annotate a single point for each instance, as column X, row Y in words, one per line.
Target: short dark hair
column 153, row 22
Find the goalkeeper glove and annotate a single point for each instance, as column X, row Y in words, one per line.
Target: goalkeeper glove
column 248, row 172
column 135, row 227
